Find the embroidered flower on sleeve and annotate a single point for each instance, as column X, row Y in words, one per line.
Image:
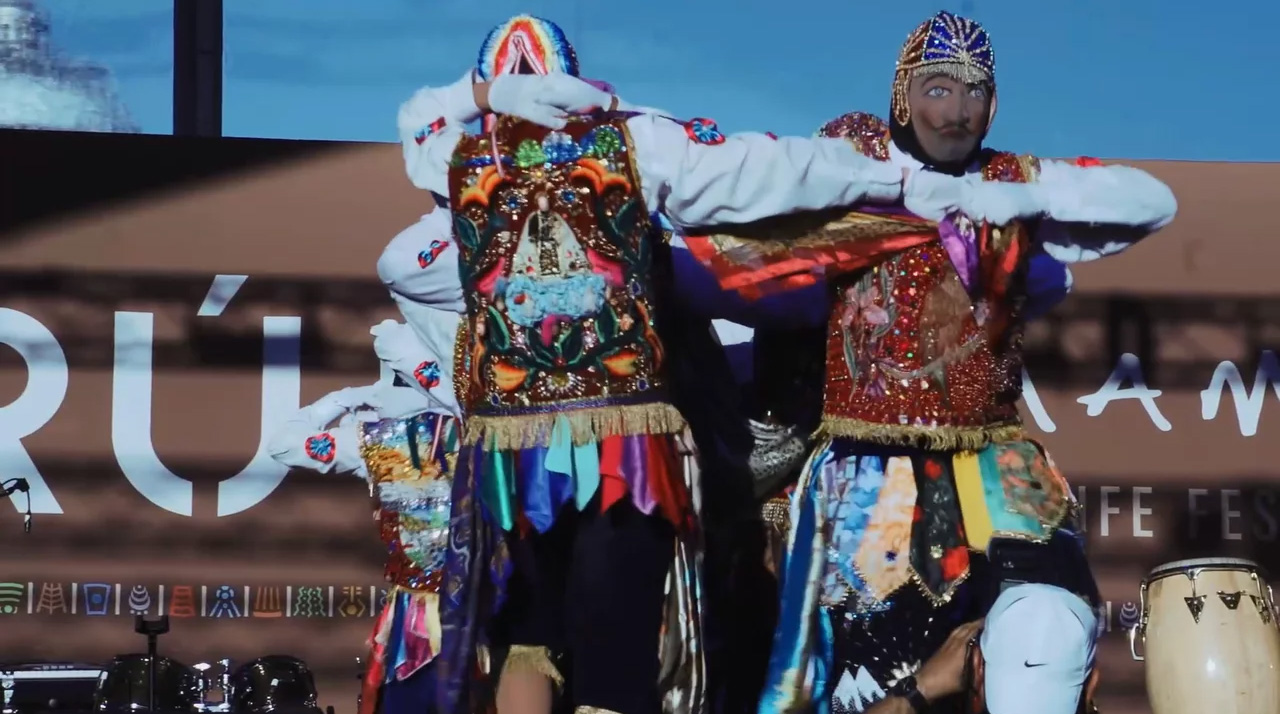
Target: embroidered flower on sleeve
column 321, row 447
column 704, row 131
column 428, row 256
column 427, row 374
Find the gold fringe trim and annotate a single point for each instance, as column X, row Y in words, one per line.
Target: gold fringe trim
column 508, row 433
column 929, row 438
column 533, row 660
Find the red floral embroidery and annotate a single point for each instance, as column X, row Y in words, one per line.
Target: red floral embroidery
column 704, row 131
column 321, row 447
column 917, row 515
column 955, row 562
column 1087, row 161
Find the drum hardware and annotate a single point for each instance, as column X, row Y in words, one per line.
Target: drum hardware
column 152, row 629
column 206, row 685
column 359, row 676
column 203, row 685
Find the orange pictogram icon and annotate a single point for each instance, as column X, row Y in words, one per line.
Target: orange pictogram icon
column 183, row 601
column 266, row 602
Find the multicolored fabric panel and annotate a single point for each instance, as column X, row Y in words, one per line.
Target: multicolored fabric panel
column 410, row 464
column 868, row 521
column 406, row 637
column 530, row 486
column 894, row 520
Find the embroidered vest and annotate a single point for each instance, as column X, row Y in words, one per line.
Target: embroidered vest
column 913, row 357
column 554, row 255
column 410, row 463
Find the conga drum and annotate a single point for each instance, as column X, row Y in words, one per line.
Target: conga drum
column 1209, row 638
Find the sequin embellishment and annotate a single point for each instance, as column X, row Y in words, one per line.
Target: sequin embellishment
column 555, row 258
column 410, row 463
column 321, row 447
column 704, row 131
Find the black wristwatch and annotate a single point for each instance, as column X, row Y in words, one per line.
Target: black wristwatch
column 906, row 688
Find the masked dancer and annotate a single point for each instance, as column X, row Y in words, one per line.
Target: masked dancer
column 924, row 495
column 401, row 435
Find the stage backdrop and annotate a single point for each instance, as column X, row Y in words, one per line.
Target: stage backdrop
column 164, row 301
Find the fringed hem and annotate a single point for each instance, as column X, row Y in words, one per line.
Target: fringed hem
column 533, row 660
column 929, row 438
column 526, row 431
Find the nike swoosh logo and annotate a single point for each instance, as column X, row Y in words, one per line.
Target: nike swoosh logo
column 1028, row 665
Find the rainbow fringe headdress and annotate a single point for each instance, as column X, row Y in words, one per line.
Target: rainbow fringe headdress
column 944, row 44
column 539, row 43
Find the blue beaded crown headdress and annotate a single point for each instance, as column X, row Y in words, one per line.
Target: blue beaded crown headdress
column 539, row 43
column 944, row 44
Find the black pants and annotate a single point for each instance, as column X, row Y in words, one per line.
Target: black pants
column 591, row 590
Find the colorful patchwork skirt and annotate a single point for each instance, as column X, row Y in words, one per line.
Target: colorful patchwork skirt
column 886, row 538
column 510, row 491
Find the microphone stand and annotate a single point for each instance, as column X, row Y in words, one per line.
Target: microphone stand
column 12, row 486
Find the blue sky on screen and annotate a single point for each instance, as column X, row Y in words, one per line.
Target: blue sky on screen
column 1112, row 78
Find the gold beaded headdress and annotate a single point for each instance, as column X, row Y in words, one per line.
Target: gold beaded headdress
column 944, row 44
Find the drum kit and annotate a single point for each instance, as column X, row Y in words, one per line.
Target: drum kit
column 132, row 683
column 1209, row 638
column 275, row 684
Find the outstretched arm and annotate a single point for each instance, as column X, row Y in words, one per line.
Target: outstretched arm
column 322, row 436
column 1091, row 212
column 696, row 176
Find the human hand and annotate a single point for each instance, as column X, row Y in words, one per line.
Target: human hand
column 933, row 196
column 999, row 203
column 943, row 674
column 544, row 99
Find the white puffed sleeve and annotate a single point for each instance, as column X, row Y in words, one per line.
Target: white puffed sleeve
column 1095, row 211
column 430, row 125
column 696, row 176
column 421, row 263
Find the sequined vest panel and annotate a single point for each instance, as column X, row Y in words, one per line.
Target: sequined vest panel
column 554, row 240
column 410, row 463
column 913, row 357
